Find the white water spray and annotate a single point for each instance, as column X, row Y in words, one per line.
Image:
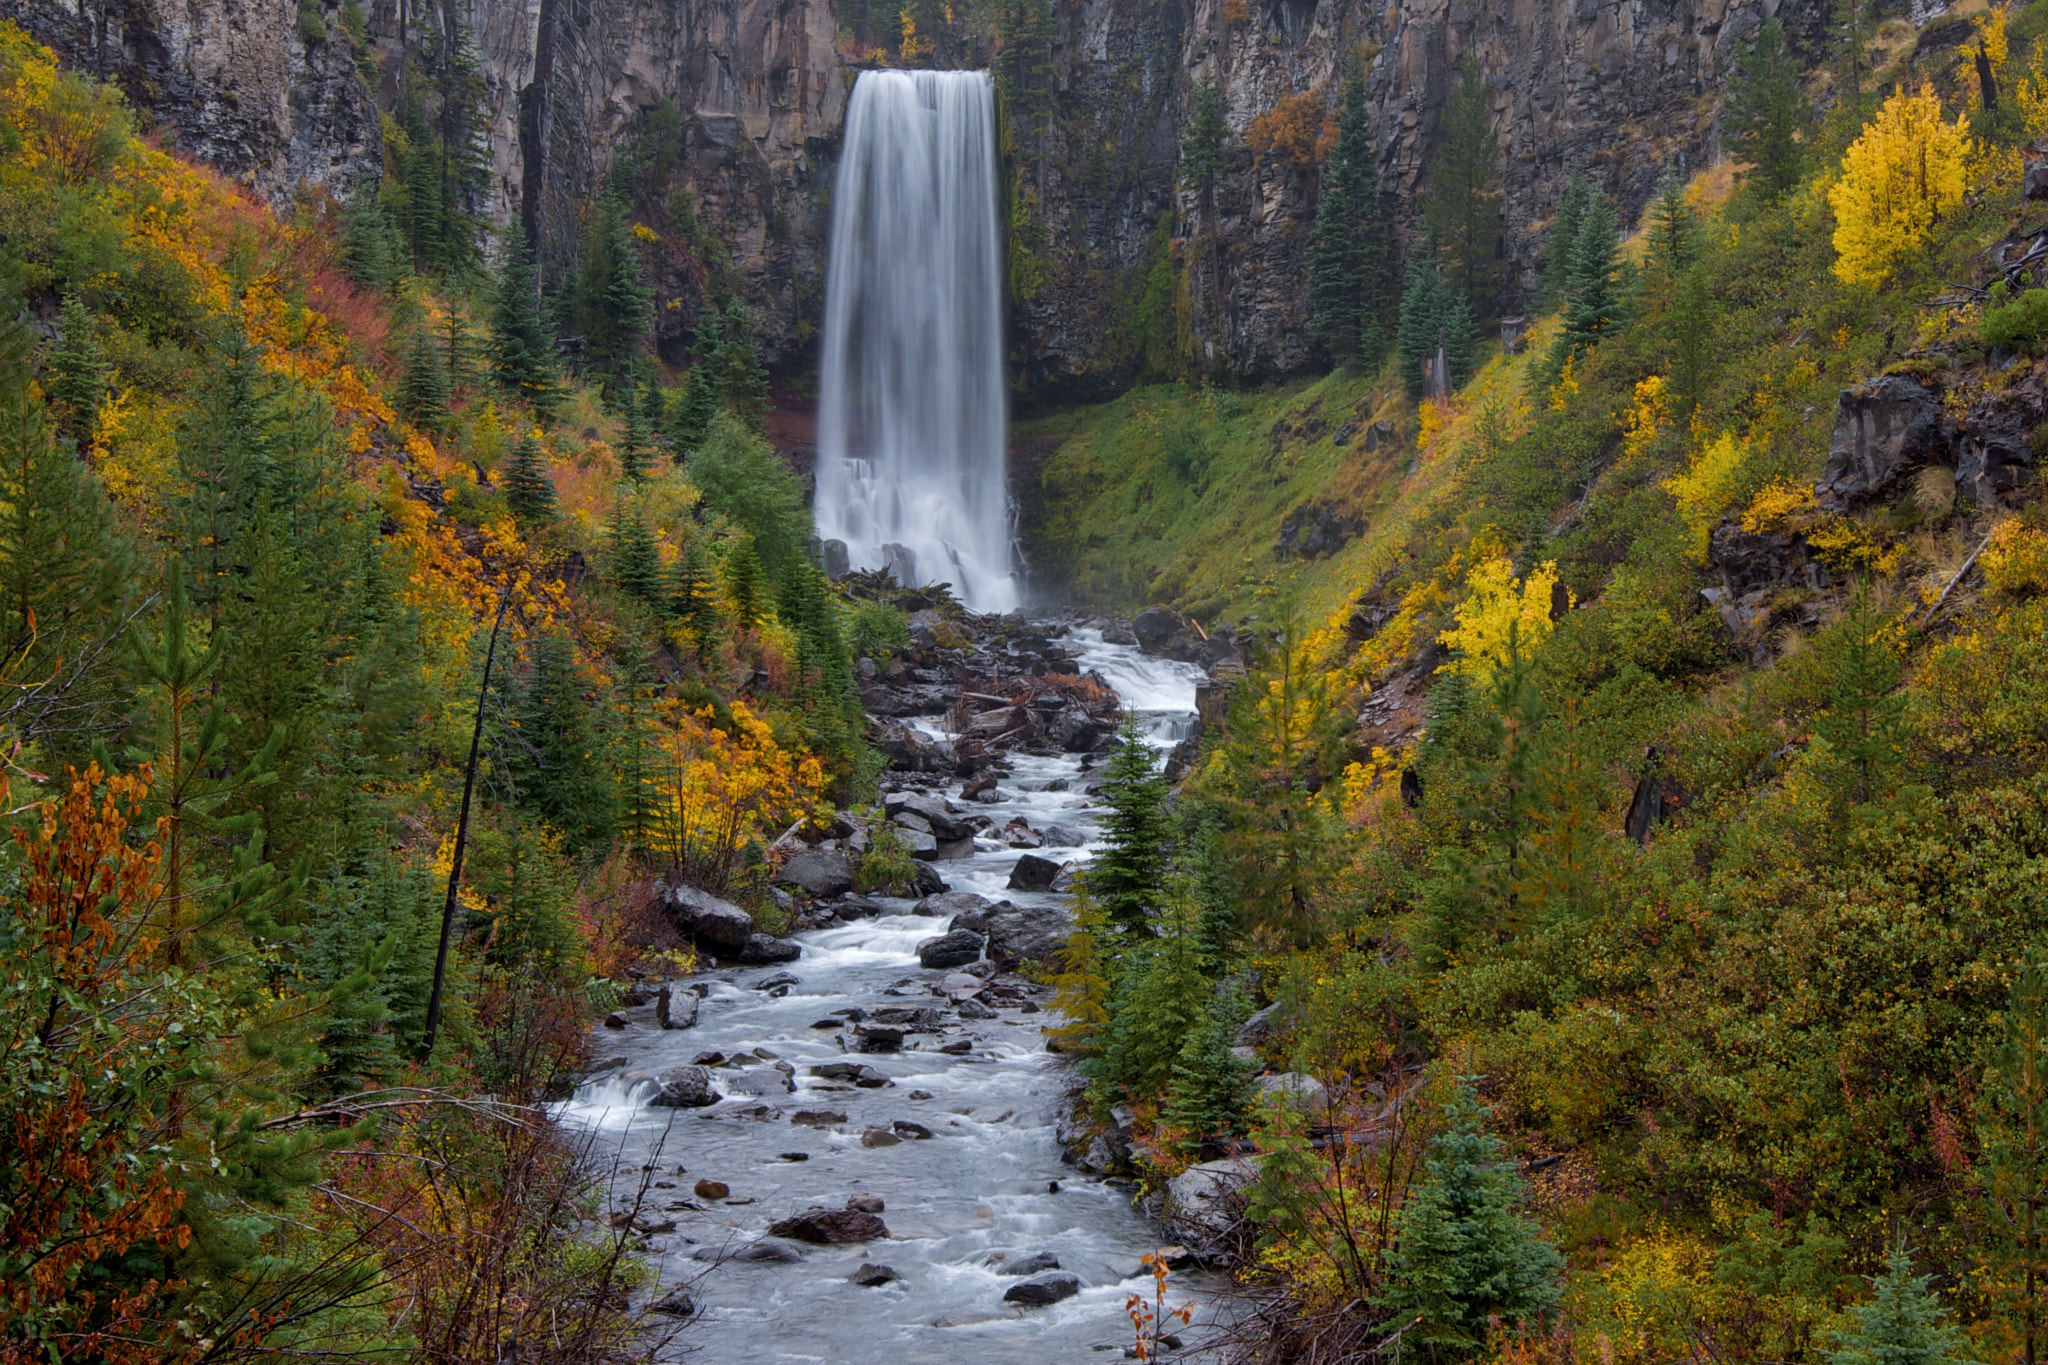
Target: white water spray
column 911, row 404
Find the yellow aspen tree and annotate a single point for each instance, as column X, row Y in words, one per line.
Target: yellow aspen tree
column 1905, row 171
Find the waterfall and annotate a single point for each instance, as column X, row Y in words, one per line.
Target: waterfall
column 911, row 404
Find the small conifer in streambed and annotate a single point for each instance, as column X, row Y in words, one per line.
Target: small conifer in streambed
column 528, row 489
column 1464, row 1256
column 1126, row 877
column 1211, row 1089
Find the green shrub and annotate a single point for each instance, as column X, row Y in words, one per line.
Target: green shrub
column 2021, row 324
column 875, row 630
column 888, row 862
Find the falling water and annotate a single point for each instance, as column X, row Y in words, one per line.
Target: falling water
column 911, row 404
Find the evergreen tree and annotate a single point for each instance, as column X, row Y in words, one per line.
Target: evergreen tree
column 1765, row 111
column 1564, row 233
column 1689, row 329
column 638, row 757
column 612, row 303
column 740, row 379
column 1864, row 723
column 1081, row 985
column 1673, row 247
column 1463, row 207
column 461, row 130
column 1351, row 277
column 1201, row 145
column 2013, row 1175
column 1211, row 1089
column 1128, row 876
column 636, row 435
column 560, row 769
column 1463, row 1254
column 636, row 562
column 1161, row 995
column 830, row 704
column 1593, row 301
column 694, row 412
column 1433, row 314
column 745, row 481
column 458, row 353
column 377, row 929
column 1903, row 1324
column 521, row 347
column 694, row 596
column 227, row 464
column 423, row 385
column 744, row 585
column 79, row 370
column 370, row 250
column 528, row 488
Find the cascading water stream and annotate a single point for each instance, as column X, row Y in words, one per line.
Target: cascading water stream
column 911, row 401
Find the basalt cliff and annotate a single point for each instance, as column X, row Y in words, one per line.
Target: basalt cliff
column 271, row 92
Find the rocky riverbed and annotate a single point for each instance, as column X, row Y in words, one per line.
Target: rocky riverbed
column 843, row 1144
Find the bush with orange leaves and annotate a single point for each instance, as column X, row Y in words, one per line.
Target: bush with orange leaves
column 720, row 788
column 1292, row 128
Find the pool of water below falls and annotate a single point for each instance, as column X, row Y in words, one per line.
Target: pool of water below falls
column 989, row 1181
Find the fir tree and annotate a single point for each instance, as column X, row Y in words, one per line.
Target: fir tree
column 744, row 585
column 1463, row 1254
column 1433, row 314
column 636, row 435
column 227, row 463
column 423, row 385
column 79, row 370
column 1201, row 145
column 1128, row 876
column 1903, row 1324
column 1689, row 328
column 637, row 756
column 1592, row 302
column 636, row 562
column 2013, row 1175
column 1564, row 233
column 462, row 166
column 458, row 354
column 370, row 250
column 1211, row 1088
column 612, row 303
column 745, row 481
column 521, row 347
column 1766, row 111
column 528, row 488
column 1463, row 207
column 1864, row 724
column 693, row 413
column 694, row 596
column 740, row 379
column 1673, row 246
column 1081, row 984
column 1351, row 289
column 1160, row 996
column 561, row 771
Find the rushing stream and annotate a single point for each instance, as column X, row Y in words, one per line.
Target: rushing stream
column 989, row 1181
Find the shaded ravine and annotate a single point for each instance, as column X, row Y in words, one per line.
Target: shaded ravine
column 990, row 1180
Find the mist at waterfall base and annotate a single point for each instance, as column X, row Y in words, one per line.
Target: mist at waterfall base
column 983, row 1184
column 912, row 409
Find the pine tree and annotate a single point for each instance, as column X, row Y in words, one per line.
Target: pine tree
column 1351, row 277
column 1161, row 995
column 521, row 346
column 1462, row 1253
column 2013, row 1175
column 1592, row 302
column 1864, row 723
column 744, row 585
column 370, row 250
column 1463, row 207
column 528, row 488
column 1211, row 1089
column 1128, row 876
column 636, row 562
column 636, row 435
column 612, row 303
column 1766, row 111
column 560, row 769
column 1564, row 233
column 423, row 385
column 1903, row 1324
column 79, row 370
column 1433, row 314
column 694, row 596
column 1673, row 247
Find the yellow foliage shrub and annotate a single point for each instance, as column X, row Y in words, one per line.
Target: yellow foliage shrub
column 1907, row 169
column 1643, row 1305
column 1500, row 612
column 1711, row 482
column 2016, row 560
column 1646, row 419
column 1781, row 503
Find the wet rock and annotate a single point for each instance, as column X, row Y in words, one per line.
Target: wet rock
column 683, row 1087
column 1059, row 836
column 761, row 949
column 1020, row 933
column 1154, row 629
column 954, row 949
column 1043, row 1289
column 830, row 1227
column 910, row 750
column 974, row 1009
column 793, row 1156
column 950, row 903
column 1884, row 428
column 959, row 1047
column 858, row 907
column 879, row 1038
column 708, row 1059
column 865, row 1203
column 834, row 559
column 772, row 980
column 921, row 845
column 674, row 1008
column 1028, row 1265
column 871, row 1276
column 758, row 1253
column 915, row 1132
column 937, row 816
column 711, row 1189
column 960, row 985
column 1033, row 873
column 753, row 1113
column 615, row 1020
column 822, row 872
column 818, row 1118
column 715, row 924
column 866, row 1077
column 1018, row 834
column 928, row 882
column 879, row 1137
column 829, row 1023
column 676, row 1304
column 1203, row 1203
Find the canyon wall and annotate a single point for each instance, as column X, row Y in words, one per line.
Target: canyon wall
column 1623, row 88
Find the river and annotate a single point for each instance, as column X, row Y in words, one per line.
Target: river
column 990, row 1181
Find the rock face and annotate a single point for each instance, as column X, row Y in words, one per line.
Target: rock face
column 830, row 1227
column 1883, row 429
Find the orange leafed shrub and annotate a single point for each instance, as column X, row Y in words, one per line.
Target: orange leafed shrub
column 1290, row 128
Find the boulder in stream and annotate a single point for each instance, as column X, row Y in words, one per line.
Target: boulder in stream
column 1041, row 1290
column 683, row 1087
column 871, row 1276
column 955, row 948
column 820, row 871
column 947, row 904
column 1033, row 873
column 830, row 1227
column 760, row 949
column 715, row 924
column 1020, row 933
column 1032, row 1264
column 677, row 1303
column 674, row 1008
column 818, row 1118
column 711, row 1189
column 865, row 1203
